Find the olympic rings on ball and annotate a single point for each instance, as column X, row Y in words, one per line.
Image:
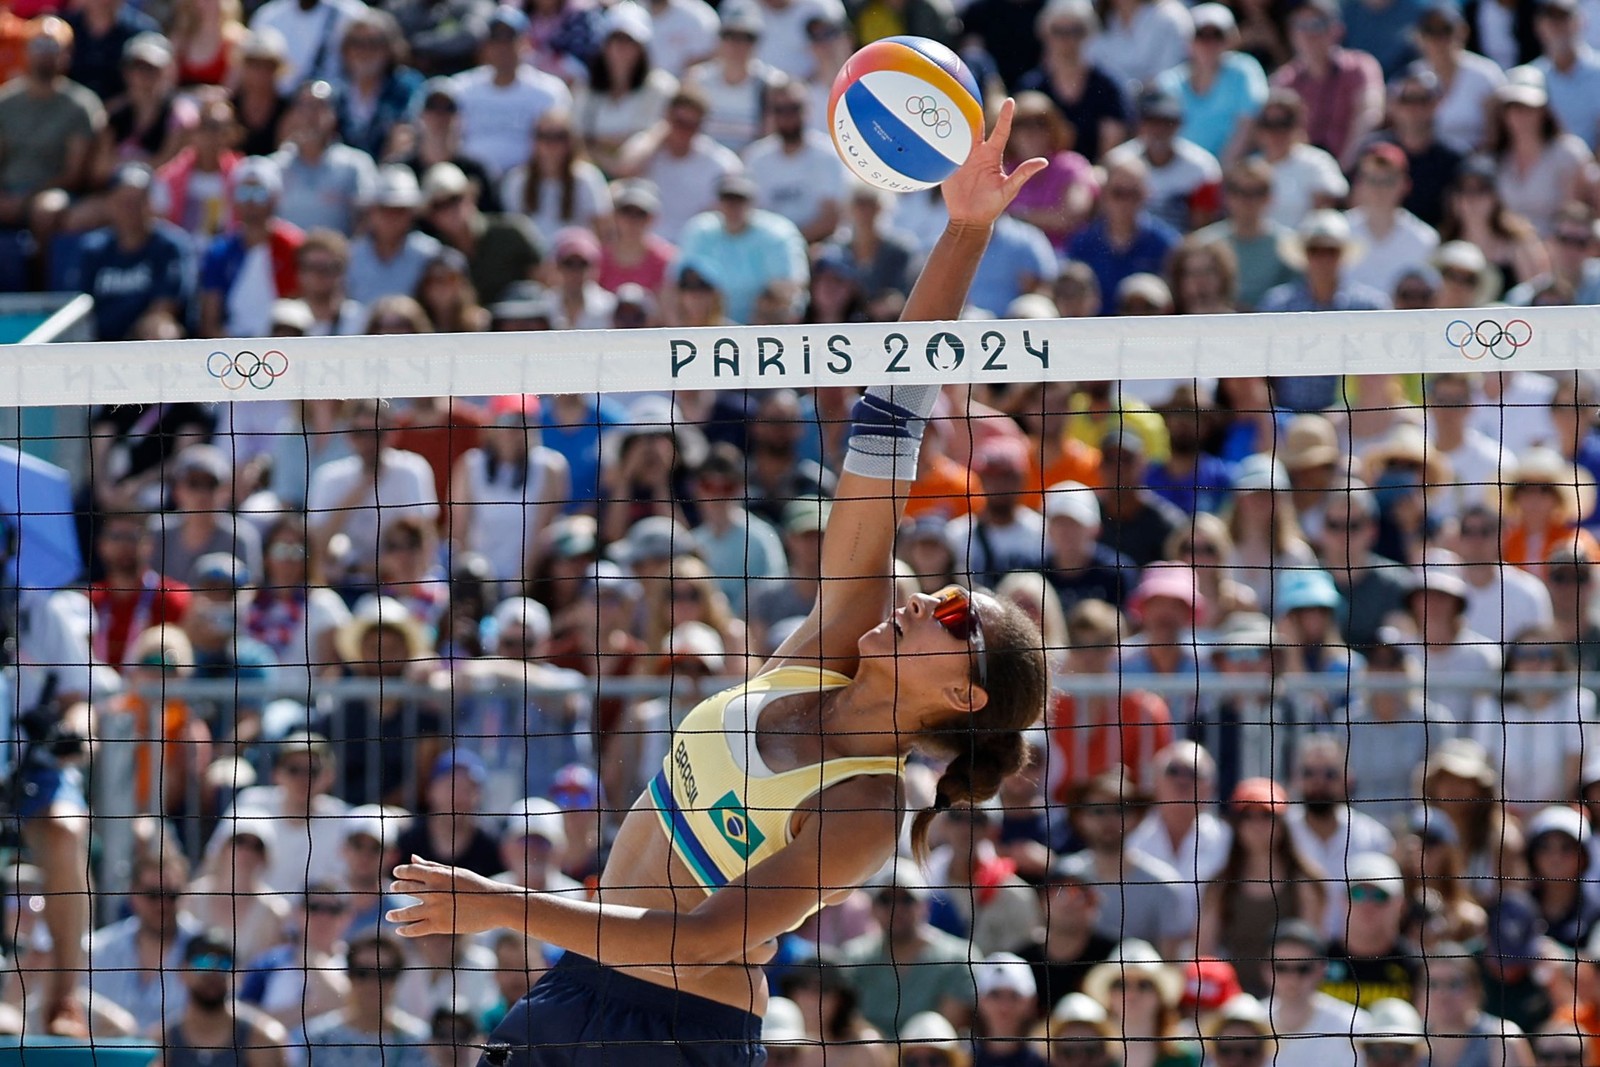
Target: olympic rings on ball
column 247, row 368
column 1488, row 338
column 932, row 115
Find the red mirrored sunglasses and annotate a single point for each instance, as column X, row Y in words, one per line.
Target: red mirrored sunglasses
column 958, row 614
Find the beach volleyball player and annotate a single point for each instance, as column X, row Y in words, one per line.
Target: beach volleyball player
column 784, row 794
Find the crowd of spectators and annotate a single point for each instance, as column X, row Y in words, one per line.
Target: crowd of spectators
column 1338, row 805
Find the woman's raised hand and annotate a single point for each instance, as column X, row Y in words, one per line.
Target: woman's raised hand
column 978, row 192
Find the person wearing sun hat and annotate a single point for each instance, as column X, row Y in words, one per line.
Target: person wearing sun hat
column 1394, row 1036
column 1079, row 1026
column 1141, row 992
column 1543, row 501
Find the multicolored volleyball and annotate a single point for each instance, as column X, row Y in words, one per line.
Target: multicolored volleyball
column 905, row 113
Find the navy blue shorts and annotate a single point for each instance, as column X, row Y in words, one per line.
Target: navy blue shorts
column 46, row 786
column 585, row 1014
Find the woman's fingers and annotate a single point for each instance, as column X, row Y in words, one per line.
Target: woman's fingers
column 1002, row 125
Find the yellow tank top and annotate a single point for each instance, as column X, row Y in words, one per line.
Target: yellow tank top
column 722, row 807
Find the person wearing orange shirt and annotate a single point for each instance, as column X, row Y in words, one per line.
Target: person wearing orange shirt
column 1545, row 499
column 942, row 484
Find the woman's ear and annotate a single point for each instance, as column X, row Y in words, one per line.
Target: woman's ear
column 966, row 696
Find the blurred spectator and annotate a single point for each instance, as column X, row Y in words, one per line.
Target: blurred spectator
column 625, row 93
column 1466, row 81
column 501, row 100
column 1570, row 575
column 1007, row 1006
column 1123, row 238
column 1265, row 529
column 832, row 1013
column 1392, row 730
column 1143, row 294
column 683, row 163
column 1342, row 88
column 1312, row 1027
column 1545, row 497
column 1452, row 1005
column 201, row 521
column 377, row 86
column 131, row 596
column 734, row 81
column 194, row 183
column 533, row 846
column 1373, row 588
column 1060, row 199
column 1557, row 1046
column 1019, row 260
column 1439, row 899
column 1514, row 409
column 369, row 851
column 1389, row 238
column 882, row 255
column 1459, row 780
column 309, row 822
column 1166, row 605
column 264, row 57
column 584, row 305
column 1184, row 179
column 928, row 1040
column 1079, row 564
column 1093, row 102
column 324, row 179
column 557, row 186
column 1204, row 546
column 139, row 264
column 907, row 966
column 385, row 742
column 1140, row 993
column 1139, row 895
column 1303, row 176
column 101, row 32
column 1079, row 1033
column 1141, row 39
column 255, row 262
column 1133, row 520
column 1327, row 830
column 149, row 121
column 1255, row 238
column 449, row 831
column 1008, row 536
column 391, row 256
column 451, row 975
column 1263, row 883
column 777, row 473
column 232, row 891
column 1540, row 165
column 1326, row 247
column 1396, row 1034
column 1371, row 960
column 1094, row 733
column 691, row 596
column 796, row 169
column 736, row 545
column 502, row 250
column 312, row 34
column 1181, row 829
column 1306, row 603
column 1569, row 66
column 1068, row 945
column 1006, row 909
column 349, row 497
column 1220, row 89
column 924, row 547
column 48, row 128
column 1558, row 859
column 1501, row 601
column 1535, row 733
column 1205, row 281
column 370, row 1028
column 446, row 295
column 139, row 960
column 506, row 489
column 751, row 248
column 304, row 977
column 1227, row 724
column 682, row 33
column 210, row 1023
column 1413, row 125
column 435, row 135
column 324, row 264
column 635, row 254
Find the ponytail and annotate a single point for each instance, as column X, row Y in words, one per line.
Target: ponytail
column 986, row 746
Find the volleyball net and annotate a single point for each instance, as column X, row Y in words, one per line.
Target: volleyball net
column 1314, row 785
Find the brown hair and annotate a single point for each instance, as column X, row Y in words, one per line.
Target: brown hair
column 568, row 176
column 986, row 746
column 331, row 242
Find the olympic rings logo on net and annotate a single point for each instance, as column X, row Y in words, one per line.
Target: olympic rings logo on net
column 932, row 115
column 247, row 368
column 1488, row 338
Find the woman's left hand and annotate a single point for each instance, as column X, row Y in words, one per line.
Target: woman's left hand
column 980, row 190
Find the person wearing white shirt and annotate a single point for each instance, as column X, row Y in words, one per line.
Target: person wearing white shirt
column 1476, row 459
column 1181, row 830
column 1502, row 600
column 734, row 81
column 684, row 163
column 1303, row 175
column 1140, row 39
column 312, row 30
column 1389, row 239
column 1514, row 409
column 797, row 171
column 349, row 496
column 501, row 100
column 1571, row 68
column 1467, row 81
column 1325, row 829
column 784, row 46
column 1183, row 177
column 685, row 33
column 1312, row 1028
column 309, row 820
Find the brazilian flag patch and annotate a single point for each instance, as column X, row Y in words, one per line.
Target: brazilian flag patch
column 734, row 824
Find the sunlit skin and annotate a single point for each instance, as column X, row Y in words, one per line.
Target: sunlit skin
column 650, row 919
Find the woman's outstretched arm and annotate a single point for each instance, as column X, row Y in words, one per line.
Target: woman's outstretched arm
column 858, row 547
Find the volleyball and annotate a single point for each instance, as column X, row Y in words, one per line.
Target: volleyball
column 904, row 113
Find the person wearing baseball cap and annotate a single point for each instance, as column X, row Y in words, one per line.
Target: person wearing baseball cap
column 767, row 247
column 1007, row 1003
column 534, row 845
column 235, row 302
column 1079, row 566
column 1373, row 959
column 391, row 254
column 1390, row 238
column 1233, row 81
column 134, row 266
